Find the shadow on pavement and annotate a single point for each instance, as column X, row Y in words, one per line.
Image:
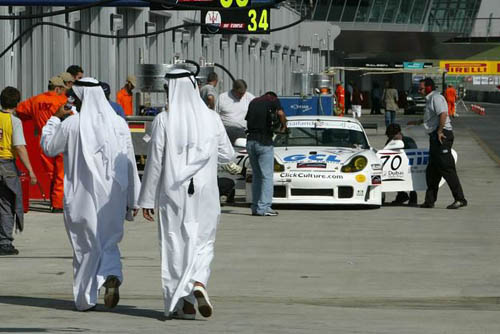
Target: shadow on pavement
column 67, row 305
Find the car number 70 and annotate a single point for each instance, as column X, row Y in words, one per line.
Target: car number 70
column 395, row 161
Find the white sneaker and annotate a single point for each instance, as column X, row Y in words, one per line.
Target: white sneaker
column 204, row 305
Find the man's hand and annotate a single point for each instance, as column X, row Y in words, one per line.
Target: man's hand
column 33, row 179
column 232, row 168
column 148, row 214
column 441, row 136
column 62, row 113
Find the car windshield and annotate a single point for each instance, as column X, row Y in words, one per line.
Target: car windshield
column 331, row 137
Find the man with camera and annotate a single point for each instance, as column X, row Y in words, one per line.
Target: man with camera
column 265, row 116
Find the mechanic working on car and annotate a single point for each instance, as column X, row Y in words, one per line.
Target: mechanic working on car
column 232, row 107
column 441, row 162
column 264, row 114
column 393, row 132
column 208, row 92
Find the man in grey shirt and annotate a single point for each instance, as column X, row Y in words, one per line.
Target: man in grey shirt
column 208, row 92
column 441, row 162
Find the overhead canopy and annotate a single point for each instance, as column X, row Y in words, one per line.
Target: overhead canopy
column 402, row 46
column 117, row 3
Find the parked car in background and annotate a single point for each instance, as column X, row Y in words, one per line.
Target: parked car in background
column 415, row 102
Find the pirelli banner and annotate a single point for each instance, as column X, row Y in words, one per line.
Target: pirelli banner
column 467, row 67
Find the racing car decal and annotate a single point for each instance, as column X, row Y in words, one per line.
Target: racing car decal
column 404, row 170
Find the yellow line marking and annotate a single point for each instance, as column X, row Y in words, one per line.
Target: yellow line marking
column 486, row 148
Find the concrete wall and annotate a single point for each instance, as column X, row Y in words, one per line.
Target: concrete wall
column 264, row 61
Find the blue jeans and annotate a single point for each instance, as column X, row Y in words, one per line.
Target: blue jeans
column 390, row 117
column 262, row 162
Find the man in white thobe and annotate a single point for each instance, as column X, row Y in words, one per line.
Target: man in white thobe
column 100, row 184
column 180, row 180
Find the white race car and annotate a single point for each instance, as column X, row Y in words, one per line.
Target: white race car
column 324, row 160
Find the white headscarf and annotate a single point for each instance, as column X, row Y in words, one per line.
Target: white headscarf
column 99, row 142
column 191, row 133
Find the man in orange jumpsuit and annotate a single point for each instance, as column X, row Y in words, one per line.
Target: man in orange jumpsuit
column 124, row 96
column 40, row 108
column 340, row 95
column 451, row 96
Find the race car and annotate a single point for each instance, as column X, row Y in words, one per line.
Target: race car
column 324, row 160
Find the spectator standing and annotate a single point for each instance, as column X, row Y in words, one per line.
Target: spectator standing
column 441, row 162
column 261, row 151
column 340, row 96
column 451, row 97
column 348, row 97
column 40, row 108
column 390, row 100
column 232, row 107
column 76, row 71
column 208, row 92
column 116, row 107
column 357, row 101
column 124, row 96
column 12, row 144
column 376, row 95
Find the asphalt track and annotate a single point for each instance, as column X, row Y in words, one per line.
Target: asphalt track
column 484, row 128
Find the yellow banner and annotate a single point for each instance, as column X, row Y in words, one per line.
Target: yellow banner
column 466, row 67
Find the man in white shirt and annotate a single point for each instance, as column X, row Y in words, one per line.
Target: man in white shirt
column 232, row 107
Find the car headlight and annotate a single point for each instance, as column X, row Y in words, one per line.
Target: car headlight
column 278, row 167
column 409, row 98
column 357, row 164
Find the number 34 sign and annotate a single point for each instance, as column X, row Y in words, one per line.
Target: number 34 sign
column 245, row 21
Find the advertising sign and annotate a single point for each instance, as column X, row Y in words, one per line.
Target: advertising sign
column 245, row 21
column 477, row 67
column 413, row 65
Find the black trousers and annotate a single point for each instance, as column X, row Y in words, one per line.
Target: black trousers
column 441, row 164
column 376, row 105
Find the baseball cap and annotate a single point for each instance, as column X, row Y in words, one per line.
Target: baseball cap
column 57, row 81
column 132, row 80
column 67, row 77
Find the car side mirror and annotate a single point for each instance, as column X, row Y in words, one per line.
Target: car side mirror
column 240, row 142
column 395, row 145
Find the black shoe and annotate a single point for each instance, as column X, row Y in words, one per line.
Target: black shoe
column 457, row 204
column 57, row 210
column 270, row 213
column 426, row 205
column 112, row 294
column 414, row 204
column 8, row 250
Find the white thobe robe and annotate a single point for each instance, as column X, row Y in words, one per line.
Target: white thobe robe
column 187, row 230
column 93, row 220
